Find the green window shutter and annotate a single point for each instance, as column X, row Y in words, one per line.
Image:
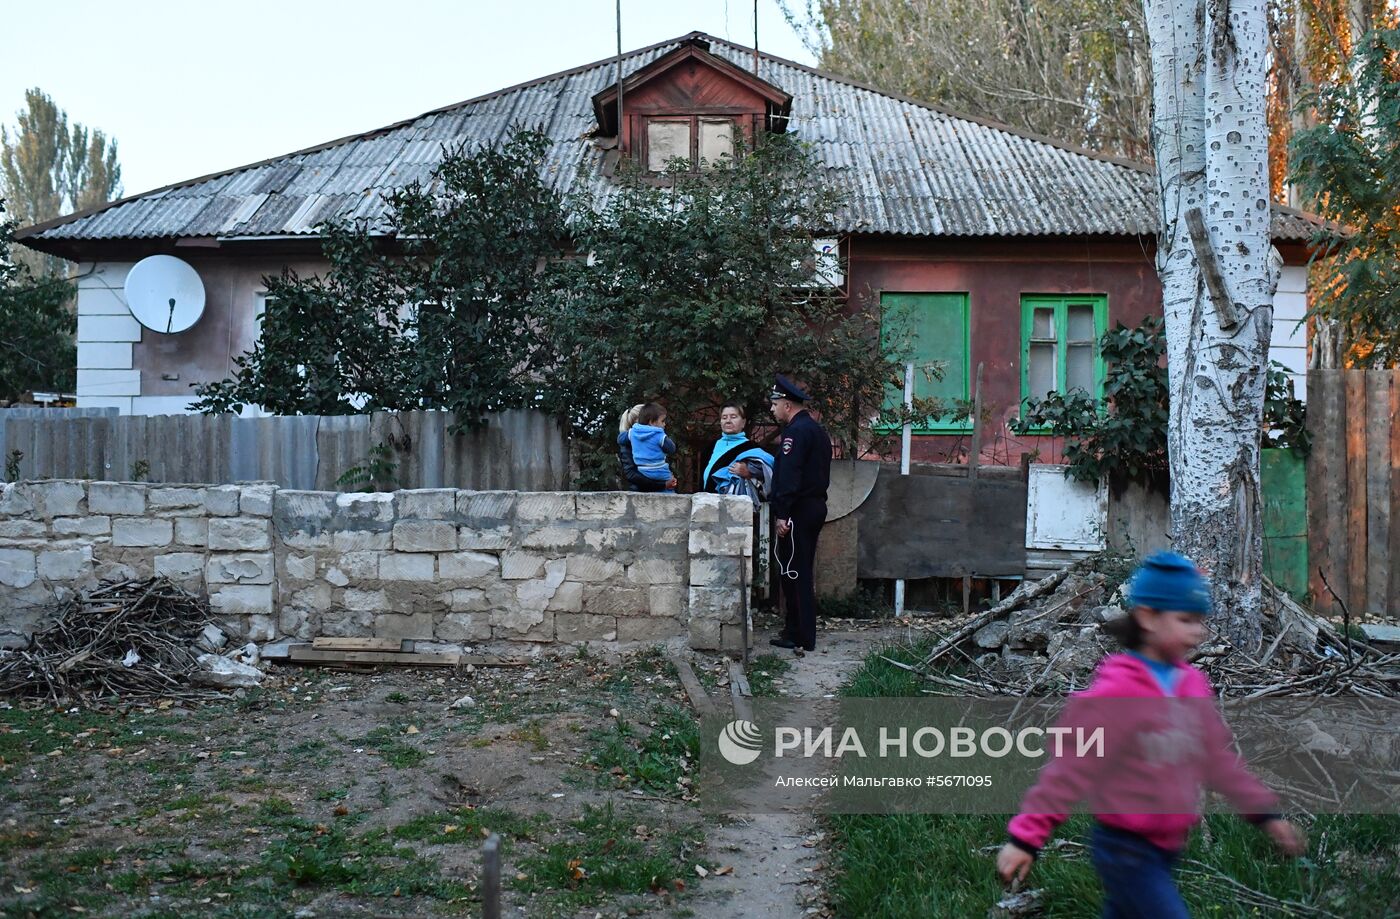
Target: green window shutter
column 1060, row 344
column 939, row 323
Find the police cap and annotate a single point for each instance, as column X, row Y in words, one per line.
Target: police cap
column 783, row 388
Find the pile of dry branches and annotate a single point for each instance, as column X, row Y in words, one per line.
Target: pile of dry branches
column 1047, row 638
column 134, row 639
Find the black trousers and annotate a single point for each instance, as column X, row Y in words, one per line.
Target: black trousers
column 800, row 593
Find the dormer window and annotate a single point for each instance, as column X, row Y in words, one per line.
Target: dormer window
column 702, row 141
column 690, row 104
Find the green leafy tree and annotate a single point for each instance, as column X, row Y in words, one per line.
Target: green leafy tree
column 1123, row 437
column 440, row 317
column 36, row 328
column 49, row 168
column 1348, row 165
column 696, row 289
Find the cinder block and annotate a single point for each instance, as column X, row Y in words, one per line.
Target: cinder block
column 522, row 625
column 614, row 601
column 568, row 598
column 486, row 509
column 612, row 539
column 337, row 578
column 239, row 534
column 577, row 627
column 665, row 509
column 718, row 603
column 470, row 600
column 521, row 565
column 593, row 568
column 30, row 529
column 704, row 633
column 82, row 526
column 241, row 599
column 714, row 572
column 15, row 500
column 341, row 622
column 65, row 564
column 222, row 500
column 557, row 538
column 303, row 567
column 399, row 625
column 57, row 499
column 468, row 566
column 735, row 511
column 361, row 541
column 17, row 568
column 425, row 536
column 704, row 510
column 240, row 568
column 180, row 566
column 364, row 511
column 365, row 600
column 359, row 566
column 670, row 602
column 116, row 498
column 406, row 567
column 167, row 499
column 192, row 531
column 499, row 537
column 140, row 531
column 601, row 505
column 649, row 628
column 545, row 506
column 464, row 626
column 426, row 503
column 732, row 541
column 256, row 500
column 657, row 571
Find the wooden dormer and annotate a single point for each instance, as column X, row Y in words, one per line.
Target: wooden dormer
column 689, row 103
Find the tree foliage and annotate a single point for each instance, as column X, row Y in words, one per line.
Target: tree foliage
column 36, row 328
column 690, row 288
column 1123, row 437
column 439, row 319
column 698, row 287
column 49, row 168
column 1349, row 165
column 1073, row 70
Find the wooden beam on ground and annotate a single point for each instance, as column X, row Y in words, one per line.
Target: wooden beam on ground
column 740, row 693
column 700, row 699
column 305, row 655
column 361, row 644
column 1210, row 270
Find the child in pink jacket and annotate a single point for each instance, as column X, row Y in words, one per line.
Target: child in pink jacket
column 1158, row 755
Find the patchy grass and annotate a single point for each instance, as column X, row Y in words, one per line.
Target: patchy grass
column 604, row 853
column 470, row 825
column 391, row 746
column 942, row 865
column 764, row 670
column 656, row 758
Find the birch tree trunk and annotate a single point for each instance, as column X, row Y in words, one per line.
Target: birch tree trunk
column 1210, row 137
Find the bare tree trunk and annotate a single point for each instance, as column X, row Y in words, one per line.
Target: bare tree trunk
column 1211, row 140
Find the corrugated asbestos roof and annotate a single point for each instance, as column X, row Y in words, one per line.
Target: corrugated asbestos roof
column 906, row 168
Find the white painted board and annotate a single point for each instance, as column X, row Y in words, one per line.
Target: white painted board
column 1062, row 513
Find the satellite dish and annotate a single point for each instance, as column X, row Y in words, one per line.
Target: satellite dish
column 165, row 294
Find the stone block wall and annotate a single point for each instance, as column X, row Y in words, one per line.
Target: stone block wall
column 455, row 566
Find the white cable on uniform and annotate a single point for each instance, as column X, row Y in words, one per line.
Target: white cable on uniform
column 787, row 570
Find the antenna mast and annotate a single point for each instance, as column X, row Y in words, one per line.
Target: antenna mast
column 619, row 74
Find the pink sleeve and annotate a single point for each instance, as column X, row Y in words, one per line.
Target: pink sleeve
column 1226, row 772
column 1064, row 782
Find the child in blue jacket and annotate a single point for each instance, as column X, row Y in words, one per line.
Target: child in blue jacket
column 651, row 446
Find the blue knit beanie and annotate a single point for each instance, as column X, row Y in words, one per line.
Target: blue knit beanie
column 1170, row 581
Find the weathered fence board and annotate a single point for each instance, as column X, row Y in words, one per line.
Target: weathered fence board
column 1354, row 489
column 517, row 450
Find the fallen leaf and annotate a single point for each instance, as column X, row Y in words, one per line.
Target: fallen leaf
column 450, row 828
column 412, row 729
column 341, row 810
column 721, row 872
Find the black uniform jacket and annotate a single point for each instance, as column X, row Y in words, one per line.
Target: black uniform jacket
column 802, row 472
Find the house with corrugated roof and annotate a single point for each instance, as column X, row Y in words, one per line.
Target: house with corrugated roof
column 1014, row 251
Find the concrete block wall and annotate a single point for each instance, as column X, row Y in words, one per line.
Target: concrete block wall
column 456, row 566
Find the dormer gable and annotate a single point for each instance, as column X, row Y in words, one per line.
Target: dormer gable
column 691, row 104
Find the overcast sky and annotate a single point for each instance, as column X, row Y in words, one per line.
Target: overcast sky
column 189, row 88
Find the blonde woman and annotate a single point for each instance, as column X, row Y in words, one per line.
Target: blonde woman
column 632, row 476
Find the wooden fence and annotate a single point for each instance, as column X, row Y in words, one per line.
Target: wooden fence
column 517, row 450
column 1354, row 490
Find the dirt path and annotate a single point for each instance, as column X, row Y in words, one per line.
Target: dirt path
column 778, row 859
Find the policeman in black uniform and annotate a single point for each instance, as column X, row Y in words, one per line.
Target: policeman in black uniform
column 801, row 475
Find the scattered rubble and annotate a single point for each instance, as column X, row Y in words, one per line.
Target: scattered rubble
column 1047, row 637
column 225, row 673
column 133, row 639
